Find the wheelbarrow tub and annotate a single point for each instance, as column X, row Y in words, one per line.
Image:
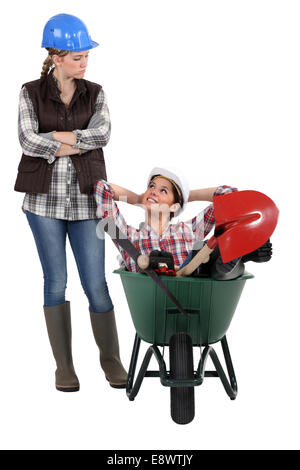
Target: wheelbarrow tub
column 210, row 306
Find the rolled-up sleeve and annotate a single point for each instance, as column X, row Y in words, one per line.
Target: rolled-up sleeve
column 106, row 205
column 31, row 142
column 97, row 133
column 107, row 211
column 224, row 190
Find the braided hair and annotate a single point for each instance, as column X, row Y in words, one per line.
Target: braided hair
column 48, row 62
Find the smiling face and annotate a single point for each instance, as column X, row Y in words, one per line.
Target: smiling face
column 159, row 196
column 72, row 65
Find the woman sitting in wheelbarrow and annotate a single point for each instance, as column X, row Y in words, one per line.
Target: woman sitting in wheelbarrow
column 166, row 196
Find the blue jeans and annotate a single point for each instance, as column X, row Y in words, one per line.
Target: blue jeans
column 50, row 238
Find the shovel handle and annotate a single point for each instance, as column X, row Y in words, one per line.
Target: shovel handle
column 201, row 257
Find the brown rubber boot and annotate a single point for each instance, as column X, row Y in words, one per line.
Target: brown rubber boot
column 58, row 321
column 106, row 336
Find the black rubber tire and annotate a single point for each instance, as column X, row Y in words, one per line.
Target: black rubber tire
column 182, row 367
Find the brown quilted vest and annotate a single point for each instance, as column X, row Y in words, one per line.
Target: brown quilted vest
column 34, row 173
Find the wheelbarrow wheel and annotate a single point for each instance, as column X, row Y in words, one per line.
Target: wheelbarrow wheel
column 182, row 367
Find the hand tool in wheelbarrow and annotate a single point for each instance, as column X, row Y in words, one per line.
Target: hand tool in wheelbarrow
column 142, row 261
column 244, row 221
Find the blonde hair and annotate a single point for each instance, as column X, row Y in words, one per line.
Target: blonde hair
column 48, row 62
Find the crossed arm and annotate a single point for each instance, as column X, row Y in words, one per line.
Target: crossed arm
column 96, row 135
column 67, row 140
column 58, row 144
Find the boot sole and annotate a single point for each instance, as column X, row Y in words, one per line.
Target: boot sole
column 116, row 385
column 62, row 388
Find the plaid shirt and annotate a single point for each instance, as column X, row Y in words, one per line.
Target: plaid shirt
column 64, row 200
column 179, row 238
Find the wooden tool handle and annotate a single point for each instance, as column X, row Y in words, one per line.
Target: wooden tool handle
column 201, row 257
column 143, row 261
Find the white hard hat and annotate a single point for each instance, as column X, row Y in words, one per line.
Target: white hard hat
column 177, row 177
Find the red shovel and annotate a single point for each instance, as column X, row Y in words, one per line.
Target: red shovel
column 244, row 221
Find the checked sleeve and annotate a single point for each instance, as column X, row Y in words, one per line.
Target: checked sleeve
column 107, row 207
column 31, row 142
column 98, row 132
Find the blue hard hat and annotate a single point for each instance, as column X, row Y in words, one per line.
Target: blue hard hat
column 68, row 33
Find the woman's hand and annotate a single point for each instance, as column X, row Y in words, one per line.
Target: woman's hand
column 68, row 138
column 65, row 150
column 123, row 194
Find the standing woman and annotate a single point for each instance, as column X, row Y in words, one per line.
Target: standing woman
column 63, row 125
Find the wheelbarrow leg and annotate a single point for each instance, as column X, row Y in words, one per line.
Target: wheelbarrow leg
column 132, row 390
column 229, row 365
column 230, row 388
column 132, row 393
column 133, row 362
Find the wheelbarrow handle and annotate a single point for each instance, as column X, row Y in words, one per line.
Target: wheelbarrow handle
column 201, row 257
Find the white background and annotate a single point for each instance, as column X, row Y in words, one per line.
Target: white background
column 208, row 86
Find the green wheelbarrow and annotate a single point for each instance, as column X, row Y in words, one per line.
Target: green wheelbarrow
column 185, row 312
column 209, row 307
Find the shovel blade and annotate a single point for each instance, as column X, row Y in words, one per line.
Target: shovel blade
column 245, row 220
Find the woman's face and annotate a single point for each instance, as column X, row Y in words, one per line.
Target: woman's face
column 73, row 65
column 159, row 196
